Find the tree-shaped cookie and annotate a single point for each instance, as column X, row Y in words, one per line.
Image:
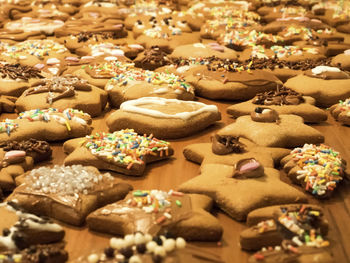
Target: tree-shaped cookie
column 122, row 151
column 159, row 212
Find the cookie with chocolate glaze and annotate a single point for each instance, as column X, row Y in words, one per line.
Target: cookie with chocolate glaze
column 190, row 216
column 15, row 79
column 122, row 151
column 151, row 59
column 317, row 82
column 164, row 118
column 41, row 253
column 54, row 124
column 22, row 230
column 79, row 191
column 273, row 226
column 318, row 169
column 266, row 128
column 341, row 111
column 159, row 248
column 67, row 91
column 232, row 191
column 230, row 84
column 283, row 101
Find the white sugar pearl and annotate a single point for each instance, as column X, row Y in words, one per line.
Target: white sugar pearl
column 148, row 237
column 129, row 240
column 139, row 238
column 93, row 258
column 151, row 246
column 180, row 242
column 169, row 244
column 135, row 259
column 163, row 238
column 117, row 243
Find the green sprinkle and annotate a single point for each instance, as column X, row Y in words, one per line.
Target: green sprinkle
column 178, row 203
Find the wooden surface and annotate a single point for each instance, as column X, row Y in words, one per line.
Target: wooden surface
column 170, row 173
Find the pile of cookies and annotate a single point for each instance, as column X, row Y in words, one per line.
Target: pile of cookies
column 88, row 86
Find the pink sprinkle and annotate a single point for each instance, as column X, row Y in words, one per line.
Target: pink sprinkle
column 72, row 59
column 52, row 61
column 14, row 154
column 252, row 165
column 39, row 66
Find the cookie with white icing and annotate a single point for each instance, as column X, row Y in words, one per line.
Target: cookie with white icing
column 63, row 92
column 189, row 218
column 327, row 85
column 67, row 193
column 20, row 229
column 164, row 118
column 122, row 151
column 54, row 124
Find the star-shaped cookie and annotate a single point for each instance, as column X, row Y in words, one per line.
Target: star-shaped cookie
column 237, row 197
column 202, row 153
column 67, row 193
column 289, row 131
column 122, row 151
column 189, row 216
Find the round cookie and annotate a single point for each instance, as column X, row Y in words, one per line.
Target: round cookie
column 164, row 118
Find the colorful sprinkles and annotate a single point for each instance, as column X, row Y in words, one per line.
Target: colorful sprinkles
column 125, row 147
column 8, row 126
column 320, row 168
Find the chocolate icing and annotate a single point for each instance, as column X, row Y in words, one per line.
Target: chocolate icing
column 223, row 145
column 264, row 114
column 38, row 150
column 153, row 58
column 328, row 75
column 65, row 87
column 281, row 96
column 251, row 78
column 17, row 71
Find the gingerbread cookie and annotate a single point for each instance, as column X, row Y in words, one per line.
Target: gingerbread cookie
column 67, row 193
column 164, row 118
column 20, row 230
column 283, row 101
column 342, row 60
column 18, row 157
column 42, row 253
column 199, row 50
column 341, row 112
column 231, row 187
column 316, row 83
column 123, row 151
column 54, row 124
column 229, row 149
column 7, row 103
column 147, row 248
column 67, row 91
column 319, row 169
column 152, row 58
column 177, row 214
column 281, row 23
column 270, row 14
column 14, row 80
column 266, row 128
column 215, row 81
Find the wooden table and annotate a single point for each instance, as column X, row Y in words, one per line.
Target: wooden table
column 170, row 173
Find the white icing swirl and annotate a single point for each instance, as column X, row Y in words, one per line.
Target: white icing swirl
column 321, row 69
